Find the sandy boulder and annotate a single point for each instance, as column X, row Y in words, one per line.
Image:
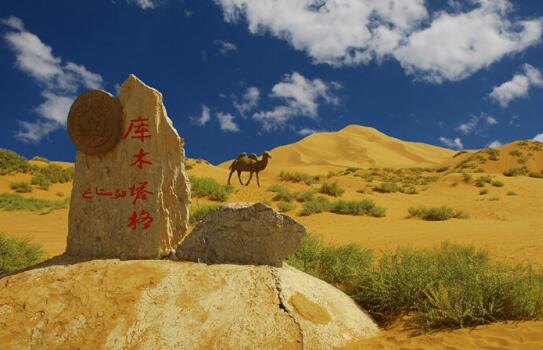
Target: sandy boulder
column 130, row 196
column 161, row 305
column 243, row 233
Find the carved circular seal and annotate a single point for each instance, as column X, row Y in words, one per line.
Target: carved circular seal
column 95, row 122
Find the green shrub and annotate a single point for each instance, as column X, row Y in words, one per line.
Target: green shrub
column 515, row 172
column 387, row 187
column 210, row 188
column 11, row 162
column 483, row 192
column 497, row 183
column 363, row 207
column 511, row 193
column 331, row 189
column 467, row 177
column 281, row 193
column 536, row 174
column 305, row 196
column 200, row 212
column 17, row 254
column 516, row 153
column 442, row 169
column 447, row 287
column 285, row 206
column 317, row 205
column 15, row 202
column 409, row 190
column 51, row 174
column 482, row 180
column 436, row 213
column 21, row 187
column 298, row 177
column 41, row 159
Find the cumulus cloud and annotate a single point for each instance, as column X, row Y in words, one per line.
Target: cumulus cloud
column 439, row 47
column 538, row 137
column 226, row 120
column 299, row 97
column 495, row 144
column 144, row 4
column 224, row 47
column 203, row 118
column 477, row 124
column 308, row 131
column 248, row 101
column 455, row 144
column 518, row 87
column 60, row 81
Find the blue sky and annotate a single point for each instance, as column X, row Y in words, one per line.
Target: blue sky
column 244, row 75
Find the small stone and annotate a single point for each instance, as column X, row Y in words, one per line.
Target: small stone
column 243, row 233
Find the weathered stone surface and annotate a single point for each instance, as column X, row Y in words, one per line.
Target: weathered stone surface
column 243, row 233
column 163, row 305
column 131, row 202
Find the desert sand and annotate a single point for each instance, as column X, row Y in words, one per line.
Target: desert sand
column 508, row 226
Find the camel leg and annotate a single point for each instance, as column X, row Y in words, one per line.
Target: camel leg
column 250, row 177
column 230, row 176
column 239, row 177
column 257, row 179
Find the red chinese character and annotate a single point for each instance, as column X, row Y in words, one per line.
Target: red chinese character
column 140, row 162
column 144, row 218
column 139, row 129
column 139, row 191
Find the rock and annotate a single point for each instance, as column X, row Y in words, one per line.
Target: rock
column 163, row 305
column 243, row 233
column 131, row 196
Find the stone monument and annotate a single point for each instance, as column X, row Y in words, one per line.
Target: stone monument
column 131, row 196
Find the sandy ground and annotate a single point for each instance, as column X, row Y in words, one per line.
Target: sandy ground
column 508, row 226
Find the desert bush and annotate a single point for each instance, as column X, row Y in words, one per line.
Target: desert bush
column 15, row 202
column 497, row 183
column 387, row 187
column 436, row 213
column 317, row 205
column 200, row 212
column 21, row 187
column 467, row 177
column 305, row 196
column 483, row 192
column 331, row 189
column 41, row 159
column 41, row 182
column 511, row 193
column 515, row 172
column 210, row 188
column 298, row 177
column 482, row 180
column 536, row 174
column 409, row 190
column 447, row 287
column 442, row 169
column 17, row 253
column 285, row 206
column 363, row 207
column 516, row 153
column 281, row 193
column 494, row 154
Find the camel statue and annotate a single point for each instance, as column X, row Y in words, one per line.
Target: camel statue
column 250, row 163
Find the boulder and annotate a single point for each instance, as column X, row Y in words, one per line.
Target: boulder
column 162, row 305
column 130, row 196
column 243, row 233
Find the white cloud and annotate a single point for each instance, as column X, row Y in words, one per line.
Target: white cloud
column 248, row 101
column 538, row 137
column 227, row 123
column 300, row 97
column 144, row 4
column 308, row 131
column 204, row 116
column 474, row 123
column 225, row 47
column 518, row 87
column 495, row 144
column 444, row 46
column 455, row 144
column 60, row 81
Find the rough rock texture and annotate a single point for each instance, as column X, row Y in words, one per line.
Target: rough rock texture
column 162, row 305
column 125, row 208
column 243, row 233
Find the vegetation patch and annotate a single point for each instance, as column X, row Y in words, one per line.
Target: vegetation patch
column 15, row 202
column 511, row 193
column 285, row 206
column 537, row 175
column 331, row 189
column 497, row 183
column 298, row 177
column 447, row 287
column 317, row 205
column 363, row 207
column 387, row 187
column 17, row 253
column 200, row 212
column 305, row 196
column 210, row 188
column 21, row 187
column 515, row 172
column 436, row 213
column 483, row 192
column 281, row 193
